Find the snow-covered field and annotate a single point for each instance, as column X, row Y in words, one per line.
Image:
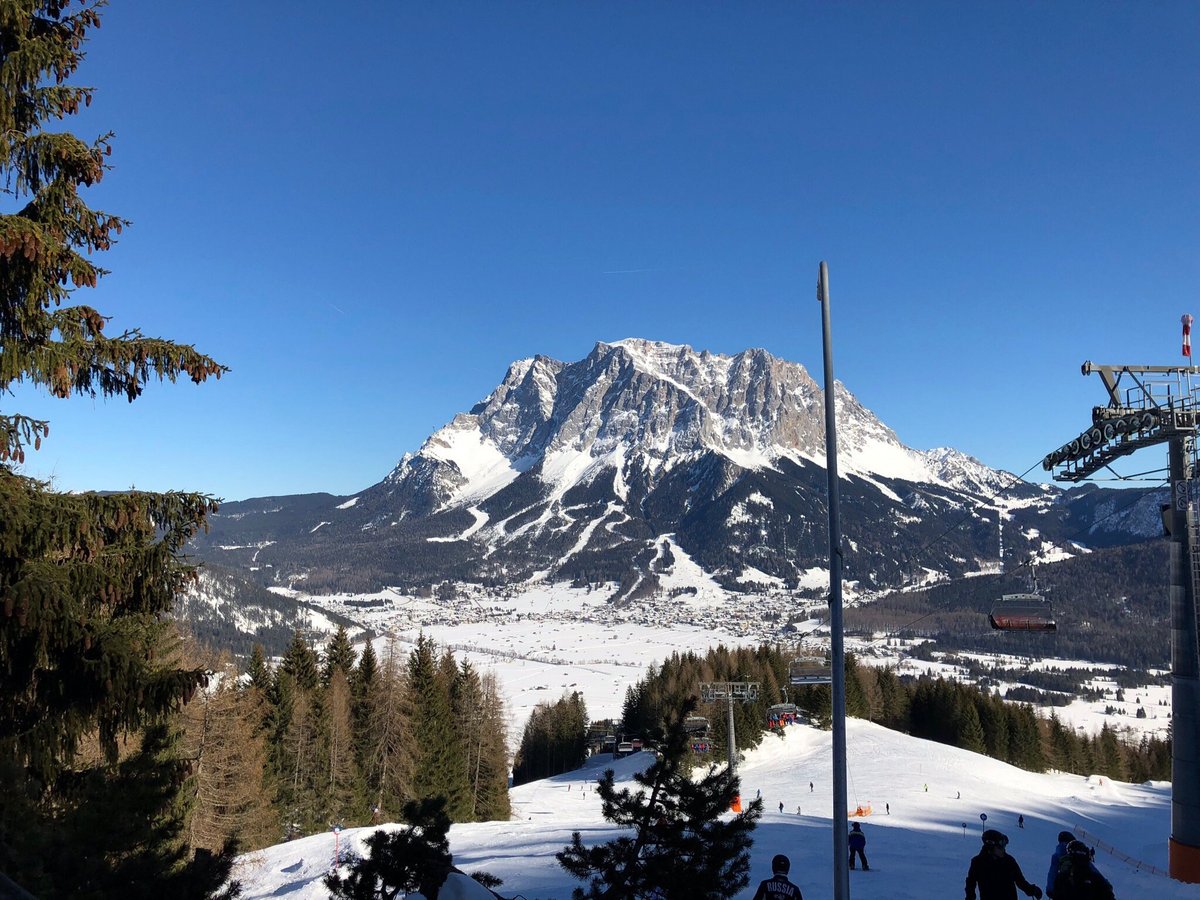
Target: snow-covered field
column 544, row 640
column 920, row 850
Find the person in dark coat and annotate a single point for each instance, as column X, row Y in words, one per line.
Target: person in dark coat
column 858, row 843
column 1064, row 838
column 995, row 873
column 1078, row 878
column 778, row 885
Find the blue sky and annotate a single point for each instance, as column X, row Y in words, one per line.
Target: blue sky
column 367, row 210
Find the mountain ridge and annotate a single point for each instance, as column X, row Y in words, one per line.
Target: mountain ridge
column 577, row 470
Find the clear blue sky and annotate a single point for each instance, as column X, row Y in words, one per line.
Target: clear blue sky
column 367, row 210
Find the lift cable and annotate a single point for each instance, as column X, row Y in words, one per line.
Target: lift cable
column 1028, row 562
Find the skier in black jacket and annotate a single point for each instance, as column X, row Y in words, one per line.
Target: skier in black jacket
column 997, row 874
column 778, row 885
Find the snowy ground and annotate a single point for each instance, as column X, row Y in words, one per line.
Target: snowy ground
column 544, row 640
column 919, row 851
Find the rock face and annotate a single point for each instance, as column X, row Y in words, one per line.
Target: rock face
column 609, row 468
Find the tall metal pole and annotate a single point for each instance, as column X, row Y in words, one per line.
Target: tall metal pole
column 841, row 845
column 731, row 742
column 1185, row 673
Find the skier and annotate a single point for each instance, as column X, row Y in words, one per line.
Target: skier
column 1020, row 821
column 958, row 795
column 858, row 843
column 1078, row 878
column 781, row 806
column 810, row 787
column 996, row 873
column 778, row 885
column 1064, row 838
column 887, row 808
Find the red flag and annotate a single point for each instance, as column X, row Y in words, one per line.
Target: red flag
column 1187, row 334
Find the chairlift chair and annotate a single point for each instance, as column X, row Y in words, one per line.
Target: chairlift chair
column 1023, row 612
column 781, row 714
column 811, row 670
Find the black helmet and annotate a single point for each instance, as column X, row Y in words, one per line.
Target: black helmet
column 857, row 826
column 993, row 838
column 1078, row 848
column 780, row 864
column 1065, row 837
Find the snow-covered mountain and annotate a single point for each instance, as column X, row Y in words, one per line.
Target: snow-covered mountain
column 609, row 468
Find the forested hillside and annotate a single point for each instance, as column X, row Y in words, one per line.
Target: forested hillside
column 1110, row 605
column 290, row 750
column 949, row 712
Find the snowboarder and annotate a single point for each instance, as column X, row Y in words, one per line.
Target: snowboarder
column 781, row 806
column 778, row 885
column 1078, row 878
column 758, row 794
column 798, row 811
column 1064, row 838
column 996, row 873
column 887, row 808
column 858, row 843
column 958, row 795
column 810, row 787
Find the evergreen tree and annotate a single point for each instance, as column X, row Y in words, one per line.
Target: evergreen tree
column 994, row 720
column 301, row 662
column 339, row 656
column 477, row 711
column 416, row 858
column 86, row 580
column 258, row 670
column 489, row 779
column 679, row 841
column 970, row 729
column 301, row 783
column 439, row 759
column 1109, row 754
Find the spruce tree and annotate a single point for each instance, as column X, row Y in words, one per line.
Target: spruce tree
column 679, row 844
column 301, row 662
column 86, row 580
column 439, row 768
column 415, row 858
column 339, row 656
column 258, row 670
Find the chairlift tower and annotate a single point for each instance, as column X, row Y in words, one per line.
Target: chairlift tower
column 1150, row 405
column 733, row 692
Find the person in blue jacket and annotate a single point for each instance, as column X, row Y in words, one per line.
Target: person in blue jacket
column 858, row 842
column 1078, row 878
column 1064, row 838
